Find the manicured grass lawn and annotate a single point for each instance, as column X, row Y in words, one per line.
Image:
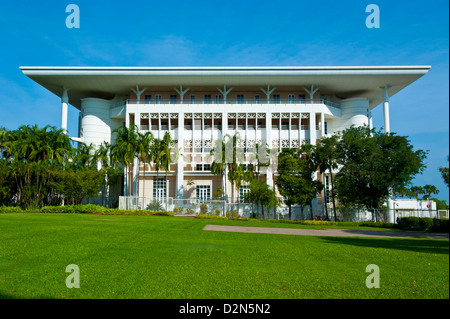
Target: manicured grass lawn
column 171, row 257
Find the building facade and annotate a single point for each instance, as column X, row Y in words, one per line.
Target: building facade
column 280, row 107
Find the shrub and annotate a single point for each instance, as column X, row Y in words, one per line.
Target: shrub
column 203, row 209
column 426, row 223
column 408, row 223
column 189, row 211
column 10, row 210
column 377, row 224
column 233, row 214
column 217, row 212
column 178, row 210
column 204, row 216
column 155, row 206
column 423, row 224
column 137, row 212
column 441, row 225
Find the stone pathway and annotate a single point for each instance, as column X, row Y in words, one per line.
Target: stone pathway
column 325, row 232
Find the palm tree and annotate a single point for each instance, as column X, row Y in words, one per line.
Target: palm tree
column 218, row 166
column 145, row 154
column 126, row 148
column 430, row 189
column 260, row 157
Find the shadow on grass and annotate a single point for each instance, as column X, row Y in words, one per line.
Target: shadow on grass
column 415, row 245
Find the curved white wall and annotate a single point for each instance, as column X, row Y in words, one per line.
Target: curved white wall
column 353, row 112
column 96, row 125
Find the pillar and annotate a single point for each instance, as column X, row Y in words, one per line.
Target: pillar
column 64, row 109
column 180, row 159
column 386, row 123
column 387, row 130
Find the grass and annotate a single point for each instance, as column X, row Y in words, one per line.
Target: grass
column 171, row 257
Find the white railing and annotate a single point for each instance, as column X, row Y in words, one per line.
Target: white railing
column 232, row 101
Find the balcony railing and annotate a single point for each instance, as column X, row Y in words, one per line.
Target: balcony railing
column 234, row 101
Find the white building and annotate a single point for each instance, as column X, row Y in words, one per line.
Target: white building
column 281, row 106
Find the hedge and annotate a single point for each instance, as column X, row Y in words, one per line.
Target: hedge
column 423, row 224
column 83, row 209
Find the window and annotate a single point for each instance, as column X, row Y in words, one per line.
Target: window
column 158, row 99
column 257, row 99
column 192, row 99
column 276, row 99
column 285, row 125
column 203, row 192
column 159, row 187
column 291, row 99
column 173, row 99
column 243, row 193
column 218, row 99
column 327, row 188
column 202, row 167
column 148, row 98
column 301, row 98
column 240, row 99
column 325, row 128
column 207, row 99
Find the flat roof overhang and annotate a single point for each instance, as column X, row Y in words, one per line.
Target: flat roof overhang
column 342, row 81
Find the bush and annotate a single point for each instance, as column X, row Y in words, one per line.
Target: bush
column 155, row 206
column 178, row 210
column 441, row 225
column 423, row 224
column 233, row 214
column 426, row 223
column 203, row 209
column 377, row 224
column 10, row 210
column 204, row 216
column 137, row 212
column 408, row 223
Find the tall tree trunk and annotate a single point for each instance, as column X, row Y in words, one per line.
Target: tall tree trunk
column 332, row 196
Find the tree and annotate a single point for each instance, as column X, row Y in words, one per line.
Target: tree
column 126, row 148
column 326, row 158
column 227, row 162
column 430, row 189
column 295, row 181
column 374, row 165
column 145, row 152
column 445, row 173
column 416, row 191
column 288, row 183
column 261, row 194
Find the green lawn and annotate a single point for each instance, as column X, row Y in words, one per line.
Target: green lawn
column 171, row 257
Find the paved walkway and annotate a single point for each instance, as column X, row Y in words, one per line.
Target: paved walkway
column 325, row 232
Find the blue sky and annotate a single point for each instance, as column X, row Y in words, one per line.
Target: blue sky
column 234, row 33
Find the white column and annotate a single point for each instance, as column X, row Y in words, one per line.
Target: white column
column 180, row 160
column 225, row 93
column 138, row 93
column 64, row 109
column 387, row 130
column 181, row 92
column 322, row 125
column 269, row 171
column 386, row 124
column 267, row 93
column 312, row 128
